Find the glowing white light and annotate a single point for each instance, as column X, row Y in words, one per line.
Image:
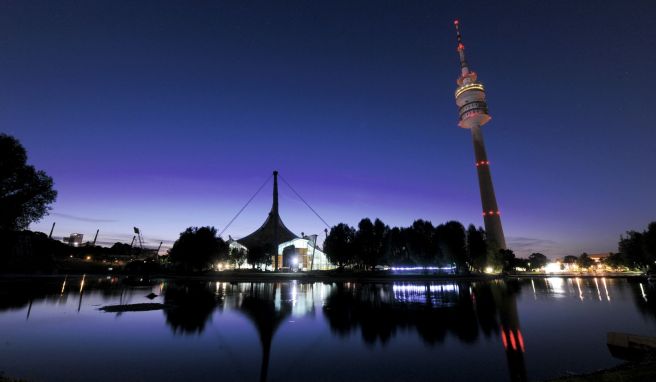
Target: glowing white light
column 578, row 284
column 603, row 280
column 489, row 270
column 598, row 291
column 294, row 290
column 422, row 268
column 443, row 288
column 552, row 267
column 82, row 283
column 417, row 293
column 295, row 260
column 556, row 284
column 644, row 295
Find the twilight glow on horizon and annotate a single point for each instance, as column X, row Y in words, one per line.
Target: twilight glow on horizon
column 164, row 115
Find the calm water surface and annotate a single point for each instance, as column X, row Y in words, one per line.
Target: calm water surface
column 53, row 329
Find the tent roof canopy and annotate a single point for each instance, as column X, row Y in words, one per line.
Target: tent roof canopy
column 273, row 231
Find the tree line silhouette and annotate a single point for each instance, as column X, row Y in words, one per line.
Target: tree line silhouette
column 636, row 250
column 421, row 244
column 467, row 250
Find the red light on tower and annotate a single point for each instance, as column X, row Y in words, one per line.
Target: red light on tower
column 521, row 340
column 456, row 22
column 512, row 340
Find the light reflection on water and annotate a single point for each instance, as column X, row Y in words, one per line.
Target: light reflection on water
column 52, row 328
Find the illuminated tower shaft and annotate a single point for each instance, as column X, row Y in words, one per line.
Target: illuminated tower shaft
column 470, row 98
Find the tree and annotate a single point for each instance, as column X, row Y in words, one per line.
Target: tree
column 537, row 260
column 396, row 247
column 369, row 241
column 508, row 259
column 633, row 248
column 237, row 257
column 381, row 231
column 520, row 262
column 259, row 255
column 452, row 243
column 476, row 248
column 650, row 244
column 422, row 242
column 25, row 193
column 636, row 249
column 339, row 245
column 198, row 248
column 570, row 259
column 584, row 261
column 615, row 260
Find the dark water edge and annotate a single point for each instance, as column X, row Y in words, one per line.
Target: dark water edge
column 402, row 329
column 635, row 371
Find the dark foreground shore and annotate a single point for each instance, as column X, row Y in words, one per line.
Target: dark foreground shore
column 636, row 371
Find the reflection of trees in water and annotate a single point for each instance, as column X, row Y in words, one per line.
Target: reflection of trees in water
column 434, row 310
column 379, row 310
column 20, row 293
column 189, row 306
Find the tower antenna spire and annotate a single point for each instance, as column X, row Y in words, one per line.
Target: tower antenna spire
column 461, row 49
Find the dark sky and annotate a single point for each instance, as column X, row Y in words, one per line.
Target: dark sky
column 169, row 114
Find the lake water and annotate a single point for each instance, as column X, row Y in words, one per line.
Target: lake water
column 51, row 329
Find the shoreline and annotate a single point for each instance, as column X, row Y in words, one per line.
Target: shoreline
column 321, row 276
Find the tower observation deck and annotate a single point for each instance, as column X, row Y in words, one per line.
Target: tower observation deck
column 472, row 108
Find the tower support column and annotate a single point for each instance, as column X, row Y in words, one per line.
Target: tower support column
column 491, row 213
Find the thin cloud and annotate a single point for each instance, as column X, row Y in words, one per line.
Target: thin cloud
column 83, row 218
column 531, row 244
column 109, row 239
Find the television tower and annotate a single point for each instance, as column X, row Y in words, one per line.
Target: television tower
column 470, row 98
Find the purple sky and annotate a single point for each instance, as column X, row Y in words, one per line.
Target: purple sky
column 164, row 115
